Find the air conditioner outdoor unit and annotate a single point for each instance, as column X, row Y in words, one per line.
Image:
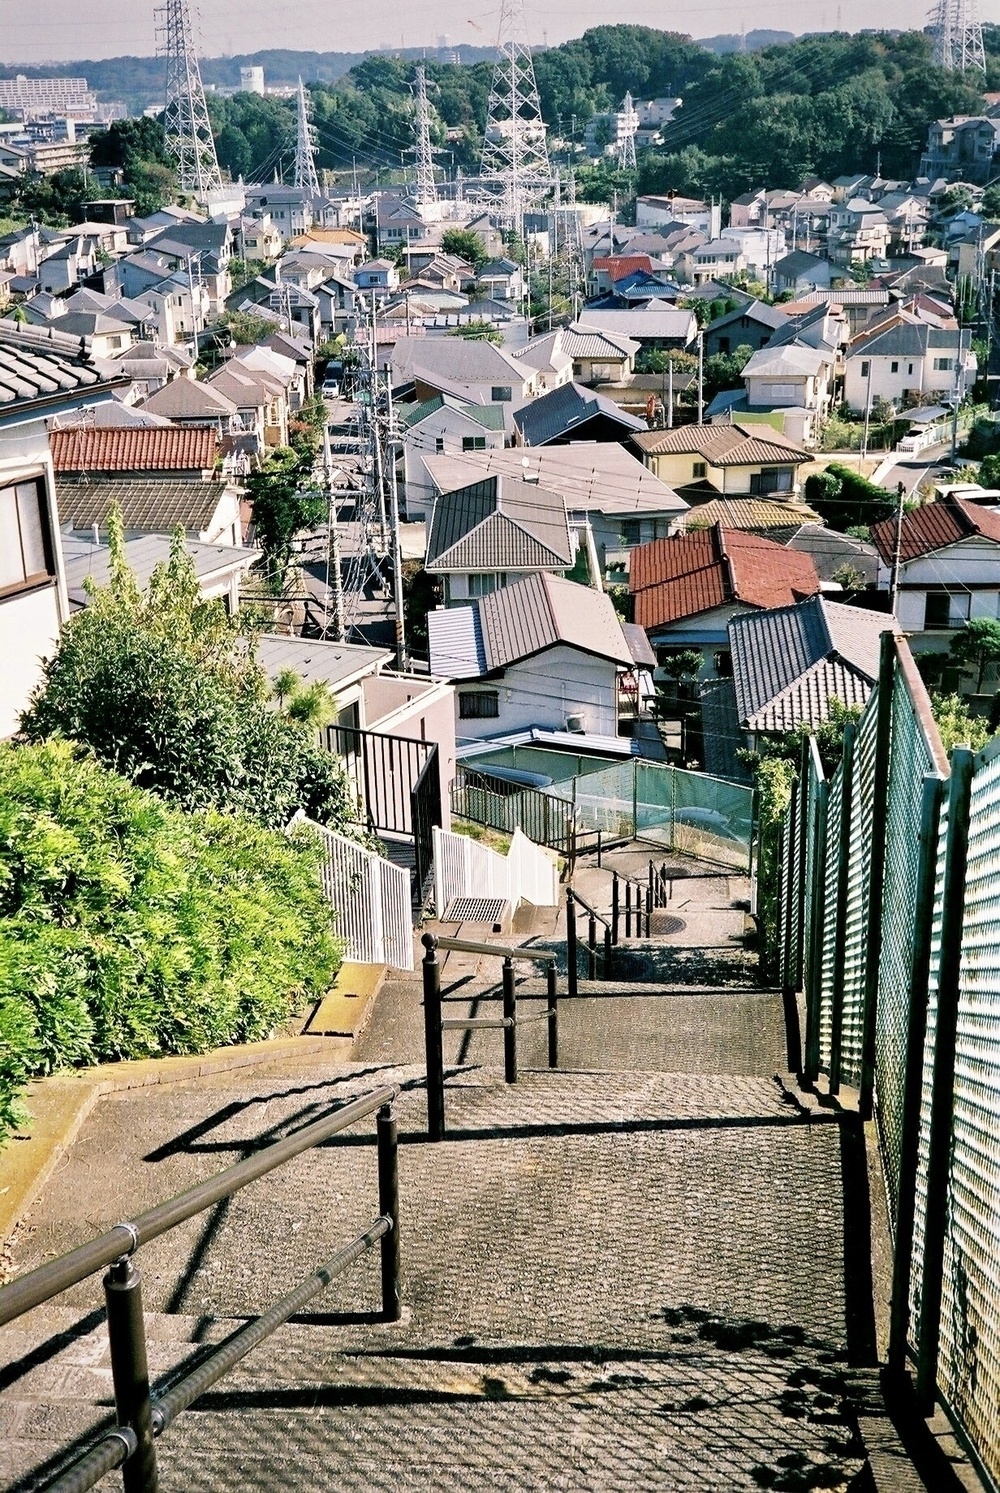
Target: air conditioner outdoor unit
column 576, row 722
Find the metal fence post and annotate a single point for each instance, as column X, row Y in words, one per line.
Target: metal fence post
column 130, row 1372
column 510, row 1017
column 843, row 875
column 388, row 1205
column 598, row 849
column 552, row 1003
column 607, row 952
column 916, row 1031
column 433, row 1039
column 876, row 871
column 628, row 909
column 802, row 826
column 649, row 911
column 943, row 1080
column 591, row 947
column 614, row 908
column 814, row 994
column 571, row 972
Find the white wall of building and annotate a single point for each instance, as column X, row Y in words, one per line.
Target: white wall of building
column 544, row 691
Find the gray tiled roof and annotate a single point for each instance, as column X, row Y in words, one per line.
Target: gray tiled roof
column 544, row 610
column 158, row 506
column 333, row 663
column 37, row 364
column 592, row 476
column 499, row 523
column 830, row 550
column 565, row 408
column 789, row 662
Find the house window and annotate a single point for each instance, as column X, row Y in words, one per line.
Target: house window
column 473, row 443
column 501, row 394
column 866, row 368
column 723, row 344
column 478, row 705
column 25, row 553
column 946, row 609
column 893, row 367
column 631, row 531
column 780, row 479
column 698, row 469
column 483, row 583
column 943, row 365
column 438, row 444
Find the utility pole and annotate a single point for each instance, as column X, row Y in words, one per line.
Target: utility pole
column 897, row 548
column 670, row 394
column 373, row 411
column 868, row 412
column 397, row 552
column 701, row 377
column 334, row 579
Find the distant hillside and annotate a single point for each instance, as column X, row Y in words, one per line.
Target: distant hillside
column 753, row 41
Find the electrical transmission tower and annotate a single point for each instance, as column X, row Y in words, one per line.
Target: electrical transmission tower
column 426, row 190
column 186, row 128
column 305, row 164
column 628, row 123
column 515, row 158
column 958, row 36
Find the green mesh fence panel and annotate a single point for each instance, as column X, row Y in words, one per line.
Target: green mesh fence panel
column 785, row 874
column 695, row 813
column 813, row 890
column 910, row 758
column 859, row 864
column 969, row 1367
column 604, row 800
column 830, row 955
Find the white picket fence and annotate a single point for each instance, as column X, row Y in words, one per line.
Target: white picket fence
column 370, row 898
column 464, row 868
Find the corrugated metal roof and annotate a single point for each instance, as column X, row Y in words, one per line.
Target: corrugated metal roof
column 499, row 524
column 456, row 643
column 589, row 342
column 934, row 526
column 724, row 445
column 592, row 476
column 158, row 506
column 87, row 448
column 87, row 561
column 695, row 572
column 332, row 663
column 542, row 611
column 788, row 661
column 752, row 514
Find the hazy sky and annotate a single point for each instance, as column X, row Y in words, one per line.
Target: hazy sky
column 59, row 30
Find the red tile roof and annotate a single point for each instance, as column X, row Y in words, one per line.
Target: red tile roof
column 935, row 525
column 620, row 265
column 696, row 571
column 134, row 448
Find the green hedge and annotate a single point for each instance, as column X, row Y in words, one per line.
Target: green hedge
column 129, row 928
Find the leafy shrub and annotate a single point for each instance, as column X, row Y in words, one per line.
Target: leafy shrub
column 843, row 498
column 131, row 929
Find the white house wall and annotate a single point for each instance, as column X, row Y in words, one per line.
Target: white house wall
column 924, row 380
column 543, row 691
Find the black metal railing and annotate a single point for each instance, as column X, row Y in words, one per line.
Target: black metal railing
column 545, row 818
column 141, row 1414
column 575, row 907
column 425, row 816
column 659, row 885
column 631, row 906
column 435, row 1023
column 397, row 782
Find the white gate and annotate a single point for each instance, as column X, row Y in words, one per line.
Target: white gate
column 370, row 898
column 464, row 868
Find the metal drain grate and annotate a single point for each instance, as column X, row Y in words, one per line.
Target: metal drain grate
column 476, row 910
column 664, row 923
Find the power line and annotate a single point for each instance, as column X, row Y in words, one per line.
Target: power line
column 515, row 163
column 186, row 128
column 305, row 164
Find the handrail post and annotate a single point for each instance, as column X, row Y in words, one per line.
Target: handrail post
column 591, row 947
column 607, row 952
column 552, row 1002
column 649, row 897
column 649, row 911
column 433, row 1039
column 571, row 971
column 130, row 1372
column 598, row 850
column 628, row 909
column 388, row 1205
column 510, row 1017
column 614, row 907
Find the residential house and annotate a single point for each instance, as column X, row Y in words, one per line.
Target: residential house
column 596, row 354
column 650, row 211
column 473, row 371
column 337, row 302
column 442, row 426
column 800, row 271
column 378, row 278
column 544, row 653
column 503, row 280
column 289, row 208
column 206, row 511
column 752, row 325
column 86, row 451
column 963, row 147
column 259, row 238
column 493, row 533
column 187, row 401
column 791, row 375
column 748, row 210
column 833, row 552
column 612, row 500
column 859, row 232
column 710, row 261
column 572, row 413
column 777, row 521
column 728, row 459
column 687, row 589
column 69, row 264
column 760, row 248
column 949, row 568
column 790, row 663
column 42, row 376
column 220, row 568
column 653, row 325
column 204, row 248
column 260, row 396
column 908, row 358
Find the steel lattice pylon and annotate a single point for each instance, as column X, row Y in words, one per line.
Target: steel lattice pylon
column 426, row 189
column 958, row 36
column 515, row 157
column 186, row 128
column 305, row 164
column 628, row 123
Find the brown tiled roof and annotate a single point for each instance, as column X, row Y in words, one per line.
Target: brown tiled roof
column 695, row 572
column 935, row 525
column 723, row 445
column 134, row 448
column 157, row 506
column 756, row 514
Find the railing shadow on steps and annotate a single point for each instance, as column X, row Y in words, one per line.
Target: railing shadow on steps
column 140, row 1416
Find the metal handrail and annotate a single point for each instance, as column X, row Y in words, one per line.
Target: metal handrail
column 49, row 1280
column 131, row 1444
column 592, row 910
column 435, row 1025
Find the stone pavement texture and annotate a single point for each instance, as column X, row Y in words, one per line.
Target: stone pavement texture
column 644, row 1273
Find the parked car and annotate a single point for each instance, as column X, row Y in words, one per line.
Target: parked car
column 331, row 388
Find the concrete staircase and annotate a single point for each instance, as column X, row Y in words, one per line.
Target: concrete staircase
column 647, row 1272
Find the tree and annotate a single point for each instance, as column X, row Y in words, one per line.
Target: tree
column 956, row 725
column 286, row 501
column 991, row 203
column 163, row 688
column 977, row 646
column 478, row 331
column 989, row 470
column 137, row 148
column 843, row 498
column 849, row 576
column 725, row 370
column 464, row 244
column 247, row 329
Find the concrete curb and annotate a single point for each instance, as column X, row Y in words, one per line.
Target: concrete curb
column 60, row 1104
